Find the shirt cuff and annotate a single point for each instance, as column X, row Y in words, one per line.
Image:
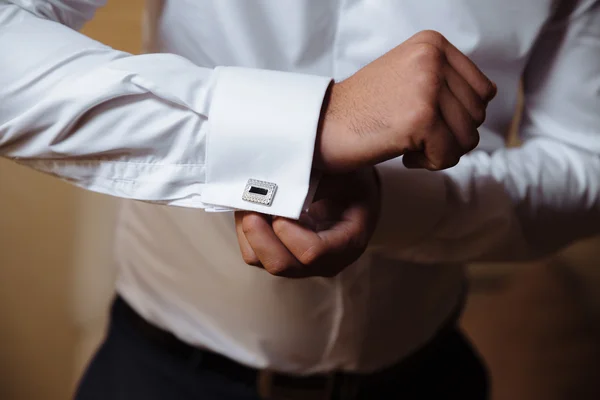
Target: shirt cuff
column 412, row 203
column 262, row 127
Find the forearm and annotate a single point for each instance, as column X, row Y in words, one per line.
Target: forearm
column 514, row 204
column 153, row 127
column 98, row 117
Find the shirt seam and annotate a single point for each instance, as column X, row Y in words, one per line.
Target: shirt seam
column 84, row 162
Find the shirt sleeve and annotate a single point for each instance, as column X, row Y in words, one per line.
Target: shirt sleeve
column 152, row 127
column 519, row 203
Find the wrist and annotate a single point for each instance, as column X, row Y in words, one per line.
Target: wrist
column 333, row 150
column 347, row 132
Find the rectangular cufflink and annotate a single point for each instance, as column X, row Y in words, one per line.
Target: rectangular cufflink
column 259, row 192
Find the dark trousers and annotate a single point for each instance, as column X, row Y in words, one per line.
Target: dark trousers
column 130, row 365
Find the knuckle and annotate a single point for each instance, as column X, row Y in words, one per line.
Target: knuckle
column 311, row 255
column 430, row 80
column 472, row 140
column 490, row 90
column 442, row 156
column 277, row 267
column 431, row 36
column 467, row 139
column 447, row 162
column 250, row 258
column 423, row 115
column 479, row 115
column 427, row 53
column 437, row 165
column 279, row 227
column 250, row 223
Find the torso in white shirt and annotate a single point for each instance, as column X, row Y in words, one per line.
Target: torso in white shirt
column 181, row 268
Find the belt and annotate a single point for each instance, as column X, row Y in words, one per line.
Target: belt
column 272, row 385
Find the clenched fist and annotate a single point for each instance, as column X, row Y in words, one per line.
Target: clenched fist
column 424, row 99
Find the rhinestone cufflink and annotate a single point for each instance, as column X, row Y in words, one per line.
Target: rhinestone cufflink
column 259, row 192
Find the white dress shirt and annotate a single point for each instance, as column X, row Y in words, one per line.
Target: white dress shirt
column 238, row 97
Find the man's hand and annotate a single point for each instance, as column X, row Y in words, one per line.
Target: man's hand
column 424, row 99
column 329, row 237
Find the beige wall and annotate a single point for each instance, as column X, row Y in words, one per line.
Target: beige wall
column 56, row 276
column 36, row 265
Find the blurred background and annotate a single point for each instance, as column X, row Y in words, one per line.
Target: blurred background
column 537, row 325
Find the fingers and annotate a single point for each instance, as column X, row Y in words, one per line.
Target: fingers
column 456, row 106
column 454, row 134
column 326, row 252
column 441, row 150
column 459, row 120
column 273, row 255
column 306, row 245
column 248, row 254
column 484, row 87
column 466, row 95
column 287, row 248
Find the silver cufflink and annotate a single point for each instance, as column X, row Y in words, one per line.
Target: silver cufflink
column 259, row 192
